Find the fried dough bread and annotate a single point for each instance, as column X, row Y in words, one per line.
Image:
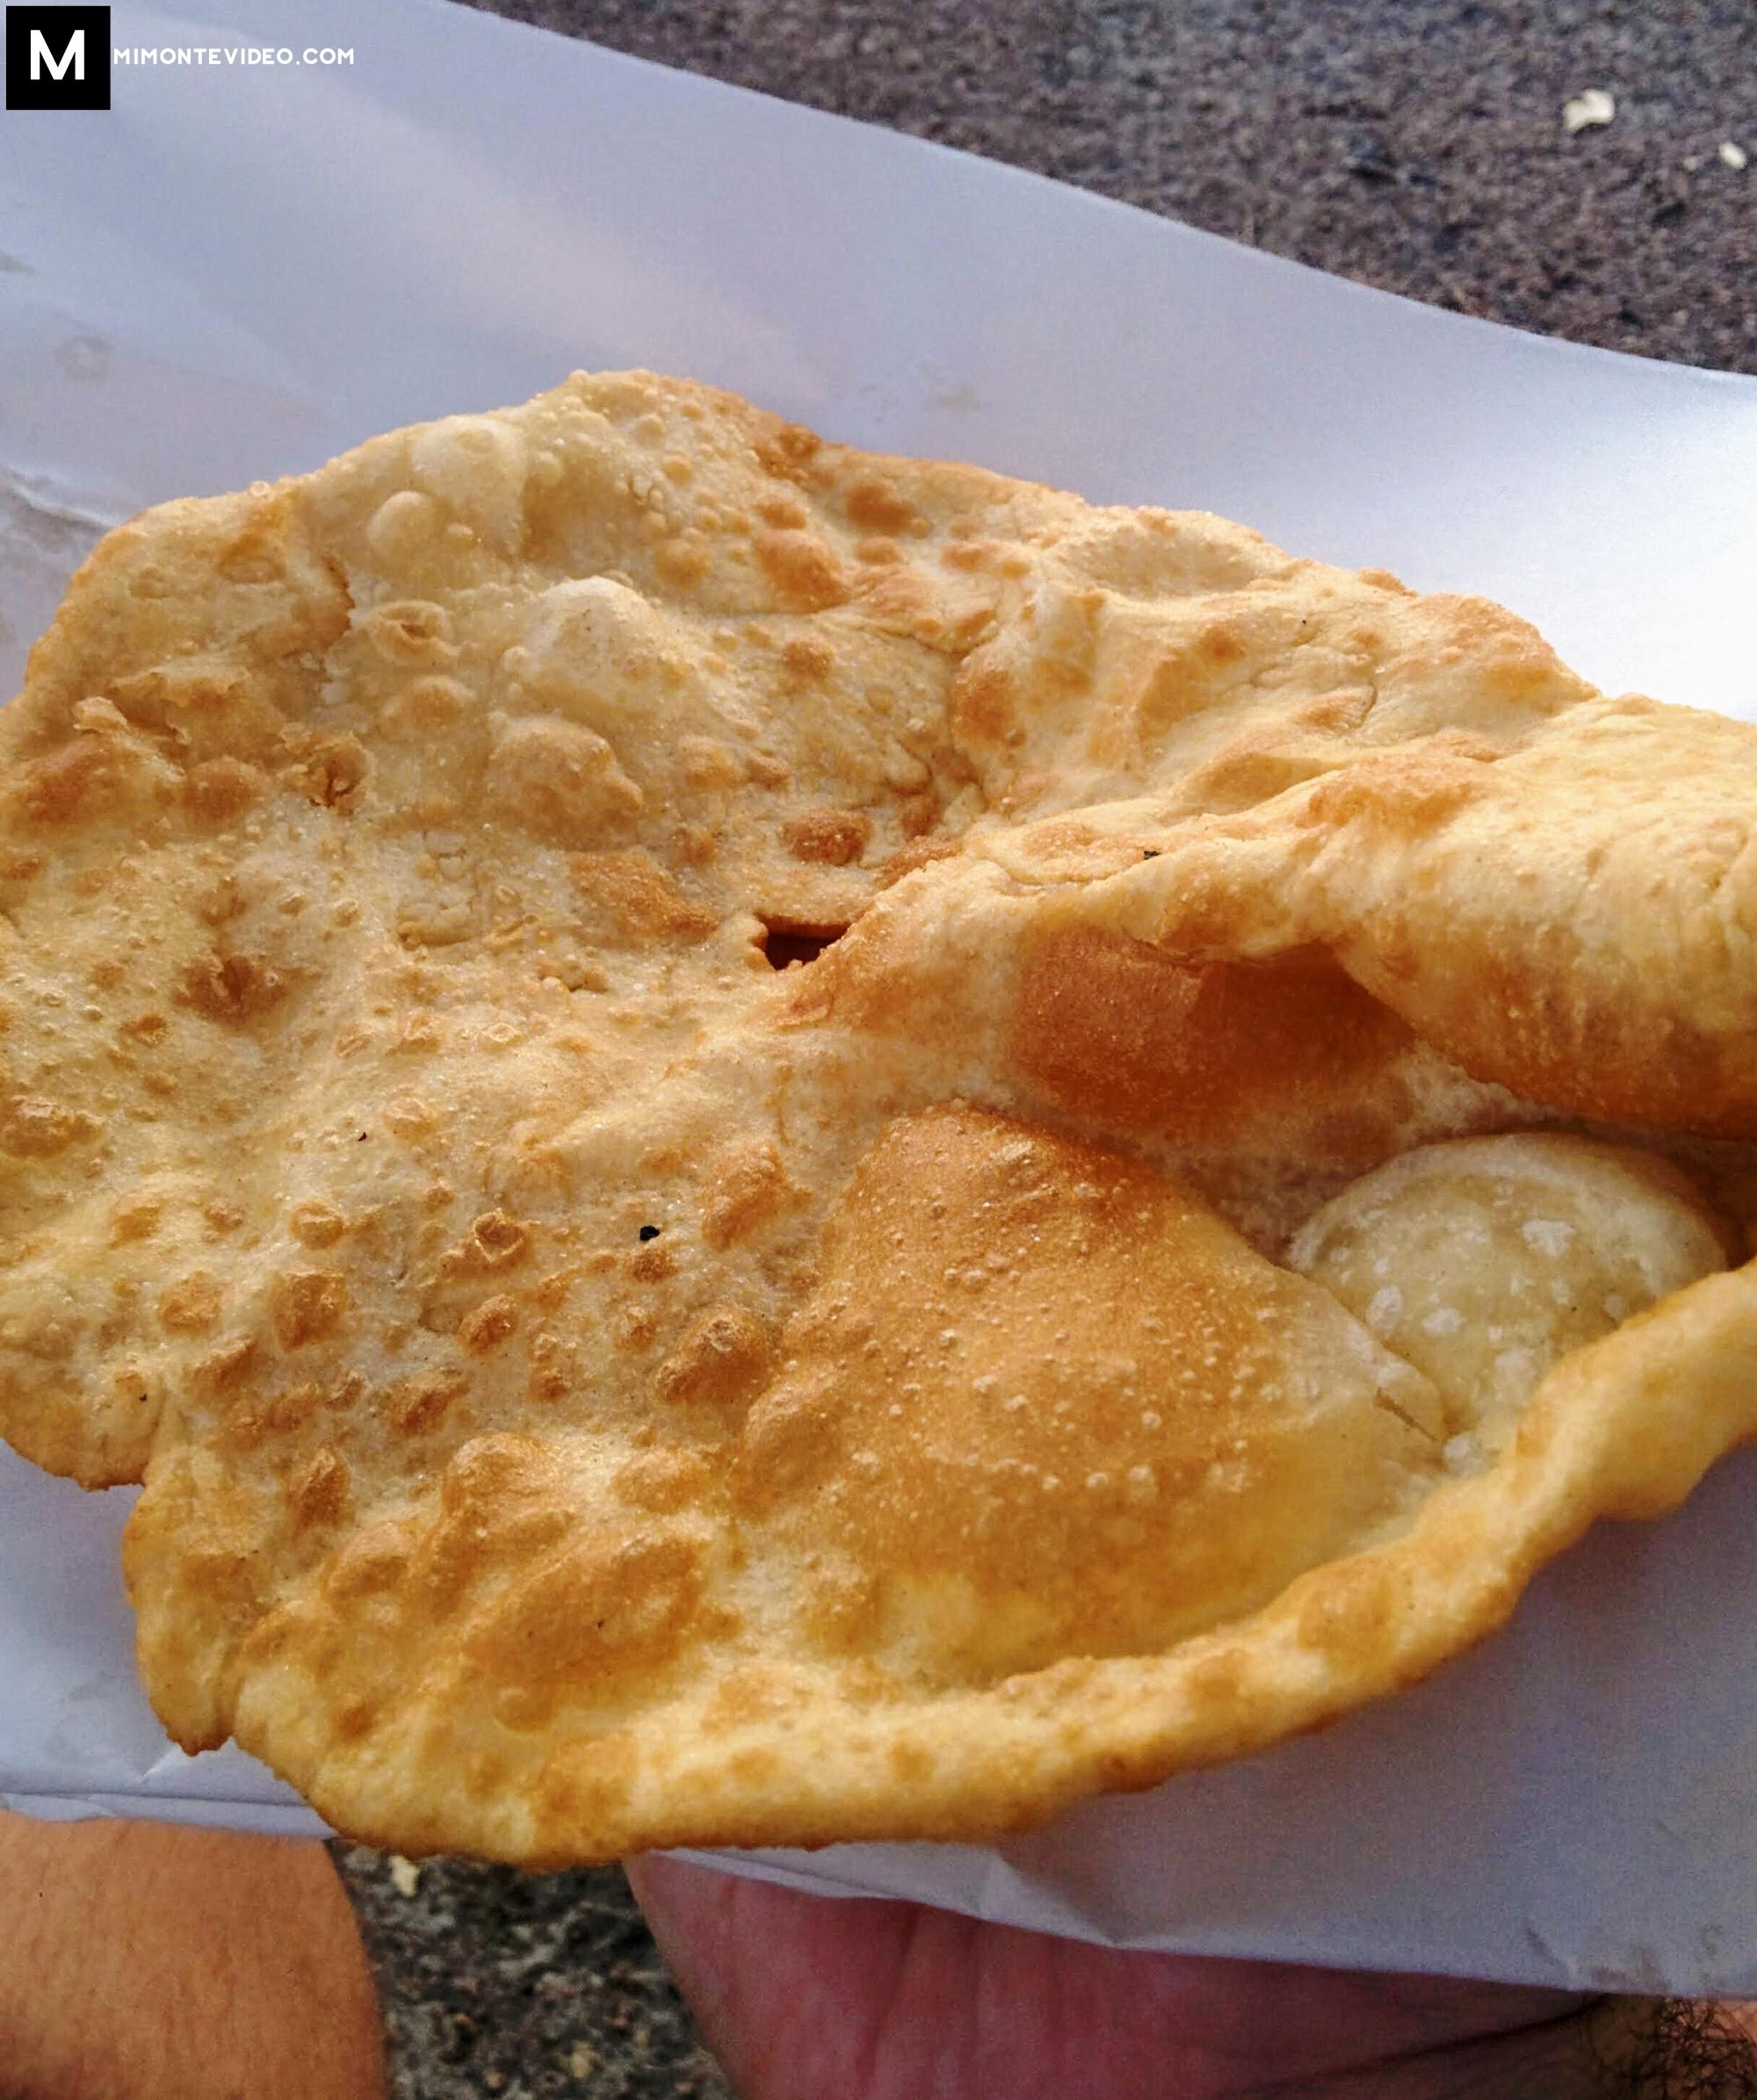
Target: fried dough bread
column 757, row 1144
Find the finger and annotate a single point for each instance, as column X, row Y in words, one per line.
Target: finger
column 801, row 1995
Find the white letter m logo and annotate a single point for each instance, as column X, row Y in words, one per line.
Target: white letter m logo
column 57, row 57
column 43, row 60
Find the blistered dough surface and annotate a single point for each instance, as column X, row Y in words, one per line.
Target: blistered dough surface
column 658, row 1076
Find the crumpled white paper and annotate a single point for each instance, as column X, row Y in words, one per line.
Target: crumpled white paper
column 234, row 273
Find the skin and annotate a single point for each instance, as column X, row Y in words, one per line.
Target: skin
column 800, row 1996
column 139, row 1962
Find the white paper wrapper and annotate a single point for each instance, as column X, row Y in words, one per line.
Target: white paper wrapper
column 234, row 273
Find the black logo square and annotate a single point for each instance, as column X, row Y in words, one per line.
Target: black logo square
column 57, row 58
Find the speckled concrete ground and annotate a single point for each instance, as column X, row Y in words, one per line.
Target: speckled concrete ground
column 1419, row 145
column 535, row 1987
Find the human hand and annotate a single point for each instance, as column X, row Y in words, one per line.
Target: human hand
column 807, row 1997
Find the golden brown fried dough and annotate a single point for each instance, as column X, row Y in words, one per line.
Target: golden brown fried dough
column 719, row 1117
